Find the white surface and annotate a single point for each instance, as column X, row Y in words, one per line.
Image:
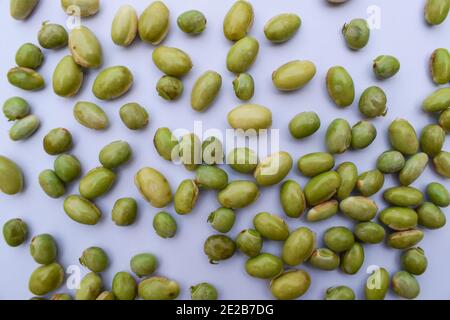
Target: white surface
column 403, row 33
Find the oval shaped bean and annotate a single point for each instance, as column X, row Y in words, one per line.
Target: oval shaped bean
column 90, row 115
column 271, row 226
column 154, row 23
column 250, row 117
column 273, row 169
column 205, row 90
column 299, row 246
column 293, row 75
column 282, row 27
column 242, row 55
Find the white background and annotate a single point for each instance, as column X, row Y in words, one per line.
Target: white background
column 403, row 33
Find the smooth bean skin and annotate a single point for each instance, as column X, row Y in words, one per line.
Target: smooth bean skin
column 436, row 11
column 338, row 137
column 124, row 27
column 299, row 246
column 20, row 9
column 165, row 225
column 399, row 218
column 16, row 108
column 143, row 264
column 112, row 83
column 322, row 187
column 414, row 261
column 11, row 177
column 134, row 116
column 390, row 162
column 51, row 184
column 115, row 154
column 282, row 27
column 124, row 212
column 349, row 175
column 81, row 210
column 271, row 227
column 363, row 134
column 293, row 75
column 264, row 266
column 403, row 137
column 90, row 115
column 46, row 279
column 85, row 48
column 238, row 194
column 25, row 79
column 154, row 187
column 24, row 128
column 431, row 216
column 290, row 285
column 370, row 182
column 242, row 55
column 238, row 20
column 250, row 117
column 440, row 66
column 154, row 24
column 158, row 288
column 304, row 125
column 432, row 139
column 359, row 208
column 370, row 232
column 403, row 196
column 444, row 120
column 405, row 285
column 353, row 259
column 67, row 78
column 205, row 90
column 124, row 286
column 292, row 199
column 67, row 167
column 172, row 61
column 96, row 183
column 413, row 168
column 340, row 86
column 438, row 194
column 90, row 287
column 442, row 163
column 312, row 164
column 339, row 239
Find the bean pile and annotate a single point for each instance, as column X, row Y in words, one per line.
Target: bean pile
column 331, row 188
